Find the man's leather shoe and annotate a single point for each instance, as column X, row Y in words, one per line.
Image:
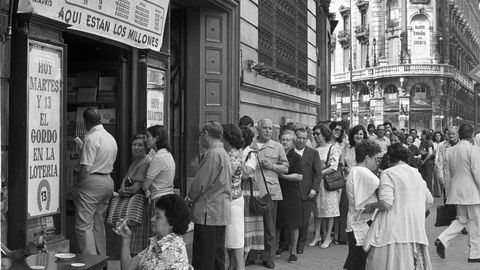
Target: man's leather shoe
column 474, row 260
column 292, row 258
column 440, row 248
column 299, row 250
column 269, row 265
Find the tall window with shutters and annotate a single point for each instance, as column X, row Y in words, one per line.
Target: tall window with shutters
column 282, row 36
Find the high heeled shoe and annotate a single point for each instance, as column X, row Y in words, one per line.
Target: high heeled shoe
column 326, row 243
column 314, row 242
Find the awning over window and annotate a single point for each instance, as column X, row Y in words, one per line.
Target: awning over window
column 138, row 23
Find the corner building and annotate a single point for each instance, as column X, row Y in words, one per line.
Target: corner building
column 410, row 61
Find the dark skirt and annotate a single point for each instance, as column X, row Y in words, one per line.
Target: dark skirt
column 356, row 258
column 289, row 212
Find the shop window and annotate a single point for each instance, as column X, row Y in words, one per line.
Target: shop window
column 282, row 36
column 346, row 97
column 419, row 91
column 391, row 92
column 365, row 94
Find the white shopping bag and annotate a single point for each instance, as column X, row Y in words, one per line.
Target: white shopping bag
column 360, row 228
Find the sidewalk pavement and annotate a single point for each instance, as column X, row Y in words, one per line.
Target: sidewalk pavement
column 334, row 257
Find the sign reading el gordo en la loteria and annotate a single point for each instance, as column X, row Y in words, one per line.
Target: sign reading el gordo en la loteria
column 45, row 91
column 138, row 23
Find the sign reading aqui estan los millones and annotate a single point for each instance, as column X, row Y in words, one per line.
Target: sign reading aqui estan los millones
column 138, row 23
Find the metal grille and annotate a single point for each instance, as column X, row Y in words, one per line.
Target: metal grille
column 282, row 36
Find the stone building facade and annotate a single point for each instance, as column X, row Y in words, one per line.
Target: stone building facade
column 285, row 60
column 410, row 61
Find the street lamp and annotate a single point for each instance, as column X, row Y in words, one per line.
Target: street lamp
column 367, row 64
column 374, row 52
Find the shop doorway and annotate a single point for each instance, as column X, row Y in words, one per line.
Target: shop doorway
column 98, row 76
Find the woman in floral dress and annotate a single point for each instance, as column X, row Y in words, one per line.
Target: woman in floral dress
column 166, row 249
column 327, row 202
column 234, row 232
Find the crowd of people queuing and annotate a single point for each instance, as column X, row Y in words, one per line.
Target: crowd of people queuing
column 391, row 177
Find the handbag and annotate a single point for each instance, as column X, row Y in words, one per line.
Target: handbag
column 333, row 181
column 260, row 205
column 445, row 215
column 126, row 207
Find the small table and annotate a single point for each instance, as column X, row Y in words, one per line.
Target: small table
column 50, row 262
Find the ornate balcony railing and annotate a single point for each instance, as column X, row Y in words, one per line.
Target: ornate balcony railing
column 414, row 70
column 344, row 38
column 361, row 33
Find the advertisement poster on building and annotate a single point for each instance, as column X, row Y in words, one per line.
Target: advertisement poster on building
column 420, row 35
column 155, row 96
column 45, row 91
column 138, row 23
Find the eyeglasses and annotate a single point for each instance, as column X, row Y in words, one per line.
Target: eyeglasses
column 338, row 130
column 316, row 133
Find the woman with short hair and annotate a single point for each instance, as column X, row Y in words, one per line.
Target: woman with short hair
column 397, row 239
column 167, row 249
column 289, row 210
column 361, row 186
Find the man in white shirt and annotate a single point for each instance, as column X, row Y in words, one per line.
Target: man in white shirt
column 94, row 186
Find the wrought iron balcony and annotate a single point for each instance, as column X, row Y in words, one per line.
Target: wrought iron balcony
column 361, row 32
column 344, row 38
column 410, row 70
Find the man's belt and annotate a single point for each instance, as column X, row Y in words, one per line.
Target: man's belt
column 99, row 173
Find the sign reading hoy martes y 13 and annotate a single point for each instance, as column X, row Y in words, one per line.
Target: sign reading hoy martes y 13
column 138, row 23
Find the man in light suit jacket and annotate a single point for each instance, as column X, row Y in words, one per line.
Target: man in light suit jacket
column 312, row 175
column 462, row 186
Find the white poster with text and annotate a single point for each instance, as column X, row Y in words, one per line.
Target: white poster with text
column 45, row 91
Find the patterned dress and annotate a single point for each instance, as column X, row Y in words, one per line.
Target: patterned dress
column 234, row 232
column 164, row 253
column 327, row 202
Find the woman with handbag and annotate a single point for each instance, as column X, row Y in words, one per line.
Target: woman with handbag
column 327, row 202
column 253, row 222
column 289, row 211
column 132, row 184
column 360, row 187
column 339, row 141
column 397, row 239
column 234, row 231
column 161, row 171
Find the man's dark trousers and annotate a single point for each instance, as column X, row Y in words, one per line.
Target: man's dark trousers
column 270, row 224
column 208, row 247
column 307, row 207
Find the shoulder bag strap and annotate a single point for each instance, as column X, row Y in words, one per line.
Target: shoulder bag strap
column 263, row 175
column 327, row 162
